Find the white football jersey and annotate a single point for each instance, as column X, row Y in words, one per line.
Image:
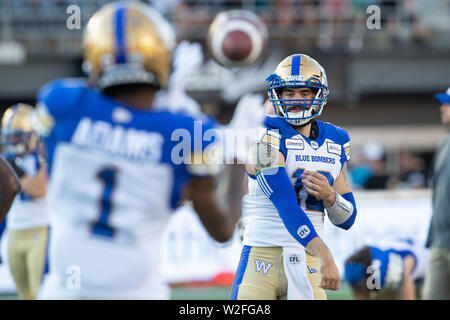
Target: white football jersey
column 114, row 181
column 326, row 154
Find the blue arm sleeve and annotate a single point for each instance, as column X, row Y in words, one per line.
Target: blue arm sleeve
column 275, row 183
column 351, row 220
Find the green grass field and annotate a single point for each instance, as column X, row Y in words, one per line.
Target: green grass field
column 222, row 293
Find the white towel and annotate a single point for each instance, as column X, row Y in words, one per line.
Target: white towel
column 299, row 287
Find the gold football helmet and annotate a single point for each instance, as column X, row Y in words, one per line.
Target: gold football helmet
column 298, row 70
column 18, row 134
column 128, row 42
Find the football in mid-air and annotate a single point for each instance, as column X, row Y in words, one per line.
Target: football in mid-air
column 236, row 38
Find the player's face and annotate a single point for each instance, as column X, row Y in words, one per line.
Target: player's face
column 19, row 143
column 297, row 94
column 445, row 113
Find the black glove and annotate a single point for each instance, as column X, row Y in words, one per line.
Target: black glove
column 18, row 170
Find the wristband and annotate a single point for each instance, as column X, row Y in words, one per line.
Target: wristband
column 343, row 211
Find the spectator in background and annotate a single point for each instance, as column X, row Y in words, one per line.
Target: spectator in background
column 370, row 169
column 165, row 7
column 336, row 14
column 189, row 18
column 437, row 279
column 286, row 14
column 412, row 170
column 419, row 32
column 357, row 32
column 263, row 10
column 309, row 16
column 389, row 19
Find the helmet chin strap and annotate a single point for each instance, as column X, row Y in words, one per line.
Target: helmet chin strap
column 302, row 122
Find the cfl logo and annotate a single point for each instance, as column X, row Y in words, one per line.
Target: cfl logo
column 294, row 259
column 73, row 22
column 303, row 231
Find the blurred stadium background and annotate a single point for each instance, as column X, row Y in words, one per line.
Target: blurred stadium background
column 381, row 84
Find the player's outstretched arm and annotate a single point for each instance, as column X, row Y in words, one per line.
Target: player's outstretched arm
column 218, row 214
column 9, row 187
column 36, row 186
column 268, row 166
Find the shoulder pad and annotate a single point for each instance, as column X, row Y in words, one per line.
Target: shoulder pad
column 272, row 121
column 61, row 95
column 341, row 135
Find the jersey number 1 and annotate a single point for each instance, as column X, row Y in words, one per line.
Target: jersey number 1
column 101, row 227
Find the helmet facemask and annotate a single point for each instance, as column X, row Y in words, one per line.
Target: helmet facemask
column 282, row 105
column 19, row 143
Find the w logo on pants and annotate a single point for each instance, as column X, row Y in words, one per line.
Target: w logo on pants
column 262, row 265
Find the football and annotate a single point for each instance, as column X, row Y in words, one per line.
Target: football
column 236, row 38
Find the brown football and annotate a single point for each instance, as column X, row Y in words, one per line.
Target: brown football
column 236, row 38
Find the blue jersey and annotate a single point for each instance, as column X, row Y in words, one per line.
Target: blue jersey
column 333, row 139
column 116, row 174
column 91, row 121
column 326, row 154
column 388, row 259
